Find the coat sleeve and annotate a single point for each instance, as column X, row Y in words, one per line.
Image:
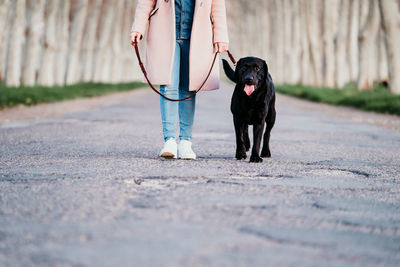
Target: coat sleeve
column 143, row 10
column 220, row 28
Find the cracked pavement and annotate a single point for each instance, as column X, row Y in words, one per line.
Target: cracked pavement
column 86, row 188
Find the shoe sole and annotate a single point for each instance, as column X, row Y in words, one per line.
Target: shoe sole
column 187, row 158
column 167, row 155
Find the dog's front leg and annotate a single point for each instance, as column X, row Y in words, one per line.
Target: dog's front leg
column 246, row 137
column 240, row 146
column 257, row 134
column 270, row 120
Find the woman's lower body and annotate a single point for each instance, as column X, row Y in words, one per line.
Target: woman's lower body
column 183, row 110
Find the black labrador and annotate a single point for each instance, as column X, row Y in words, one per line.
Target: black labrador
column 253, row 103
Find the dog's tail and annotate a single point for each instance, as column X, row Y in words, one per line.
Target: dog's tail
column 229, row 71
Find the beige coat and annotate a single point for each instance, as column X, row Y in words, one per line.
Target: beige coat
column 209, row 26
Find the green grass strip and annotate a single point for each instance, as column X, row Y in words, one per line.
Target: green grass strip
column 31, row 95
column 378, row 100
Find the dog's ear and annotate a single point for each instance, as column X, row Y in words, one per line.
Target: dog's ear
column 229, row 71
column 266, row 71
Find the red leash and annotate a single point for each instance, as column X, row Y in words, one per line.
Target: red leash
column 135, row 45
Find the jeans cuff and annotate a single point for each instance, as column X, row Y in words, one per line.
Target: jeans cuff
column 166, row 138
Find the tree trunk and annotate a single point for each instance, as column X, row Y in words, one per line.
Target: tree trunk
column 47, row 65
column 341, row 66
column 4, row 27
column 62, row 33
column 75, row 41
column 391, row 24
column 306, row 71
column 313, row 33
column 103, row 51
column 89, row 40
column 286, row 41
column 272, row 44
column 116, row 45
column 352, row 40
column 264, row 25
column 32, row 51
column 16, row 22
column 382, row 72
column 280, row 42
column 367, row 37
column 131, row 67
column 295, row 42
column 331, row 15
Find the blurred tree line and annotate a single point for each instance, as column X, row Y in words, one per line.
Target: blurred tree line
column 51, row 42
column 321, row 42
column 314, row 42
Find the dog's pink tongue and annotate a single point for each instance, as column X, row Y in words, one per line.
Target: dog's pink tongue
column 249, row 89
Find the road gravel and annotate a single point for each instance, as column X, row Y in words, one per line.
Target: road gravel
column 84, row 187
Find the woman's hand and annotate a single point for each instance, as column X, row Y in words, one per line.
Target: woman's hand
column 220, row 47
column 135, row 36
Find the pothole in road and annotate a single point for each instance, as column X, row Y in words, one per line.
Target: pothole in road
column 337, row 173
column 164, row 182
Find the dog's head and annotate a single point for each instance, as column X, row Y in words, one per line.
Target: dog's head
column 250, row 72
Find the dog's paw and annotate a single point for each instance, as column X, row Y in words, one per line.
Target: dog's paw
column 255, row 158
column 240, row 155
column 247, row 145
column 265, row 153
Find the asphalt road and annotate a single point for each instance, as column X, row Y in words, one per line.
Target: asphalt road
column 87, row 189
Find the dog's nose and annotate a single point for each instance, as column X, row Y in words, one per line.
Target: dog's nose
column 249, row 80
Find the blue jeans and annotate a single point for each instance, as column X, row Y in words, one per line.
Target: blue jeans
column 179, row 88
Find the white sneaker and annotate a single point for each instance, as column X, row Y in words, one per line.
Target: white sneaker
column 185, row 150
column 170, row 149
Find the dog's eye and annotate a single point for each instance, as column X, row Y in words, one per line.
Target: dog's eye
column 256, row 68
